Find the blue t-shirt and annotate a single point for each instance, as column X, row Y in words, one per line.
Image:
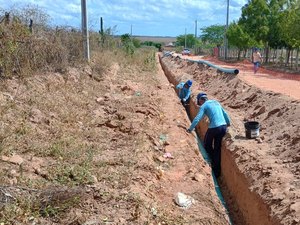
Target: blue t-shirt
column 184, row 93
column 215, row 113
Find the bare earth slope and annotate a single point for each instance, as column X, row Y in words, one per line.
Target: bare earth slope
column 78, row 151
column 271, row 168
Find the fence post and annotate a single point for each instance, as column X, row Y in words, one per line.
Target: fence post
column 6, row 18
column 31, row 25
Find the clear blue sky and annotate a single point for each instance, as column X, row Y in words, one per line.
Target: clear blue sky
column 147, row 17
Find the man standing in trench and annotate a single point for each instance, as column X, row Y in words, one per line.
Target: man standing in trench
column 218, row 122
column 184, row 92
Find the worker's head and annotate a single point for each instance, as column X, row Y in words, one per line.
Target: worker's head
column 201, row 98
column 188, row 83
column 255, row 49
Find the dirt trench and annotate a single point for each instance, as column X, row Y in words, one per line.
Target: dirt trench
column 259, row 177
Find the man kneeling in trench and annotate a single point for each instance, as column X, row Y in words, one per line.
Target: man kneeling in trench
column 218, row 122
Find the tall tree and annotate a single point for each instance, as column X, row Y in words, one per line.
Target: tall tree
column 238, row 37
column 274, row 36
column 213, row 34
column 254, row 19
column 190, row 40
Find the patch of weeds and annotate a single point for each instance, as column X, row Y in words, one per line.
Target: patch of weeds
column 18, row 210
column 22, row 129
column 70, row 174
column 54, row 208
column 31, row 183
column 169, row 218
column 115, row 177
column 121, row 162
column 59, row 148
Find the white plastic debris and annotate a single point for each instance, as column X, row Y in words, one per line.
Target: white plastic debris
column 168, row 155
column 184, row 200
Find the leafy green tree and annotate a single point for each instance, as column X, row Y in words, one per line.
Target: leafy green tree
column 290, row 29
column 136, row 42
column 274, row 36
column 238, row 37
column 127, row 44
column 190, row 40
column 151, row 43
column 290, row 25
column 213, row 34
column 254, row 19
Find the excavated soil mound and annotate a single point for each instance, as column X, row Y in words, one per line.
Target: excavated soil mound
column 261, row 177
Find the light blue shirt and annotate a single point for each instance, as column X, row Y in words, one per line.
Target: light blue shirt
column 184, row 93
column 215, row 113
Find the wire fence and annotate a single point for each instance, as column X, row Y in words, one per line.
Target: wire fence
column 283, row 57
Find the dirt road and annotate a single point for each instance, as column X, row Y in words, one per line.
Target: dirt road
column 279, row 82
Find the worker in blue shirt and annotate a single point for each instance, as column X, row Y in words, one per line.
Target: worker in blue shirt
column 218, row 122
column 184, row 91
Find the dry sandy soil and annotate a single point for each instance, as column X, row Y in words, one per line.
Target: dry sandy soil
column 261, row 178
column 79, row 151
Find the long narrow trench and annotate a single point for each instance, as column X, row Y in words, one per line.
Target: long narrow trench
column 243, row 205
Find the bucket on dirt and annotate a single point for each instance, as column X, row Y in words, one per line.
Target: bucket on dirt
column 252, row 129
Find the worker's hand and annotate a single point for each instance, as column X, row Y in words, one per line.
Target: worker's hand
column 188, row 130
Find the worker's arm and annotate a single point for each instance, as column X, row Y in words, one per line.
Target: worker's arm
column 197, row 118
column 226, row 117
column 180, row 85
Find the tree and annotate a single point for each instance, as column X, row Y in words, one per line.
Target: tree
column 213, row 34
column 127, row 44
column 136, row 42
column 290, row 28
column 254, row 19
column 32, row 12
column 190, row 40
column 238, row 37
column 274, row 36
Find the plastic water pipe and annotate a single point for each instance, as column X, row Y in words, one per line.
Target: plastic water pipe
column 232, row 71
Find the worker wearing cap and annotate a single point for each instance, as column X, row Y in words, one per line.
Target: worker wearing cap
column 184, row 91
column 218, row 122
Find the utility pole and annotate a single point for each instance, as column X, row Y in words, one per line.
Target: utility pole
column 85, row 33
column 101, row 31
column 185, row 38
column 225, row 36
column 131, row 30
column 196, row 28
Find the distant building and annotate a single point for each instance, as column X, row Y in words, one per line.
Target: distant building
column 170, row 44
